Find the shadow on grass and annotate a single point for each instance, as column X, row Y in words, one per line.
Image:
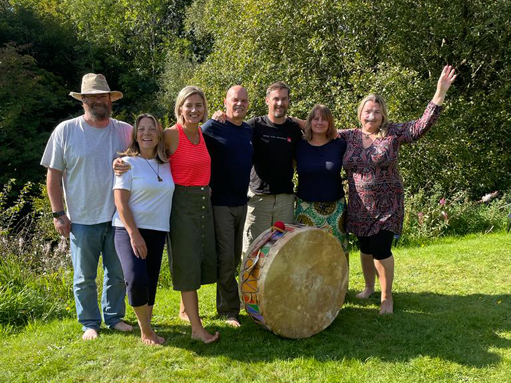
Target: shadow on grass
column 463, row 329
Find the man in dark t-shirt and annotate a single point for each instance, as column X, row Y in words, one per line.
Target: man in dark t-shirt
column 271, row 178
column 230, row 147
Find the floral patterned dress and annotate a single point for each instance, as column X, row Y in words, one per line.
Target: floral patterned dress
column 376, row 193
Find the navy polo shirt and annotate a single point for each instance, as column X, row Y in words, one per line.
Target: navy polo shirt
column 231, row 151
column 319, row 171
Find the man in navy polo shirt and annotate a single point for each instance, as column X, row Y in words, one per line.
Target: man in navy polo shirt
column 230, row 147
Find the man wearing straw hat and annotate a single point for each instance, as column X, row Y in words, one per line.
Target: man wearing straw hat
column 78, row 156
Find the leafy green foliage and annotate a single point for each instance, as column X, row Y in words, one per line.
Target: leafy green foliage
column 37, row 59
column 35, row 273
column 335, row 52
column 30, row 97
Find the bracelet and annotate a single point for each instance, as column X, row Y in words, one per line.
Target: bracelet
column 57, row 214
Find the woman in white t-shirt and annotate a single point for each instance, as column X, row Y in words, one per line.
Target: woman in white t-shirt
column 143, row 197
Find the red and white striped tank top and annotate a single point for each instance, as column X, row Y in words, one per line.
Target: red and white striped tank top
column 190, row 164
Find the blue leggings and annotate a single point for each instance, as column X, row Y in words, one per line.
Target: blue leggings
column 140, row 275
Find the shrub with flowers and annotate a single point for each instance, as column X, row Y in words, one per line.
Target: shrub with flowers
column 433, row 214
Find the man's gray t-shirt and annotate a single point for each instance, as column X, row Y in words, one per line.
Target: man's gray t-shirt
column 85, row 155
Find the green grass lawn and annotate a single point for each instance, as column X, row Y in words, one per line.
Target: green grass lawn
column 452, row 323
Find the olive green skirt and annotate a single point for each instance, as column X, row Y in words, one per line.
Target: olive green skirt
column 192, row 239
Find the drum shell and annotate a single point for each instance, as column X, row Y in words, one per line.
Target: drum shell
column 299, row 283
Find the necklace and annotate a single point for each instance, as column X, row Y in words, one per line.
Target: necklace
column 154, row 171
column 367, row 136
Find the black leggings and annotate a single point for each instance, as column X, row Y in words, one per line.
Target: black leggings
column 140, row 275
column 378, row 245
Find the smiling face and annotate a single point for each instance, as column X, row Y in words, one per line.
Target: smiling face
column 371, row 117
column 147, row 135
column 319, row 123
column 236, row 103
column 192, row 110
column 98, row 106
column 278, row 103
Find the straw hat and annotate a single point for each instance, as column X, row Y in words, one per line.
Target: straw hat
column 95, row 84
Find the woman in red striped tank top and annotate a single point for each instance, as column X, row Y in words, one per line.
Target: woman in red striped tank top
column 192, row 235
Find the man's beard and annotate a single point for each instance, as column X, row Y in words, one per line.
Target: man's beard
column 100, row 112
column 280, row 113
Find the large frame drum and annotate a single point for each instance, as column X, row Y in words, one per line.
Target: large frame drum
column 294, row 283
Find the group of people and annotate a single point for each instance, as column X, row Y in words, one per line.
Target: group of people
column 211, row 190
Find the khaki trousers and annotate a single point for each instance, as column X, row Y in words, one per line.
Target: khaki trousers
column 263, row 211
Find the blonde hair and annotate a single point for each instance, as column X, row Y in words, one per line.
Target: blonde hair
column 134, row 148
column 327, row 115
column 186, row 92
column 384, row 111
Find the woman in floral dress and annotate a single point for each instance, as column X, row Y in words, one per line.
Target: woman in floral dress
column 376, row 193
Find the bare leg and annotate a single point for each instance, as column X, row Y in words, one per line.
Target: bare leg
column 150, row 312
column 148, row 336
column 369, row 271
column 190, row 300
column 385, row 268
column 90, row 334
column 182, row 313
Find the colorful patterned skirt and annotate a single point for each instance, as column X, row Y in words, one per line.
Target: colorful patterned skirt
column 330, row 216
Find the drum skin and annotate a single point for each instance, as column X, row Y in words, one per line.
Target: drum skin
column 299, row 283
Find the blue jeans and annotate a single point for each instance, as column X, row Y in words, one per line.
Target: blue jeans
column 87, row 243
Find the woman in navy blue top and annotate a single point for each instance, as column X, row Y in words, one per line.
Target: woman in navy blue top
column 320, row 193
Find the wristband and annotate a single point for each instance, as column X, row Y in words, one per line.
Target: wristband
column 57, row 214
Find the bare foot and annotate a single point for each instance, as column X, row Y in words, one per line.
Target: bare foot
column 152, row 339
column 122, row 326
column 365, row 294
column 232, row 321
column 90, row 333
column 205, row 336
column 387, row 307
column 184, row 316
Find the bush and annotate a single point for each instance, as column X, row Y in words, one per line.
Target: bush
column 35, row 273
column 433, row 214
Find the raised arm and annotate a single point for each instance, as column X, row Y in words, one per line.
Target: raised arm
column 413, row 130
column 445, row 81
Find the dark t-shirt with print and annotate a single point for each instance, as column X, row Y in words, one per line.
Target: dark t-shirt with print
column 274, row 151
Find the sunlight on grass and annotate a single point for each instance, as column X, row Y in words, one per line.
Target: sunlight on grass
column 452, row 324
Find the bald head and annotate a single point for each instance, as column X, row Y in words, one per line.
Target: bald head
column 236, row 104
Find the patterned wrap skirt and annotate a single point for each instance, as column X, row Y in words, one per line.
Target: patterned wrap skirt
column 330, row 216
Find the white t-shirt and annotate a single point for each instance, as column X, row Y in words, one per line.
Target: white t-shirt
column 150, row 200
column 85, row 155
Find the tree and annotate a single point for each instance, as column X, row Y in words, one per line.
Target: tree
column 29, row 97
column 335, row 52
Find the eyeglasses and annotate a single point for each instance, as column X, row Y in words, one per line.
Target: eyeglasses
column 102, row 97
